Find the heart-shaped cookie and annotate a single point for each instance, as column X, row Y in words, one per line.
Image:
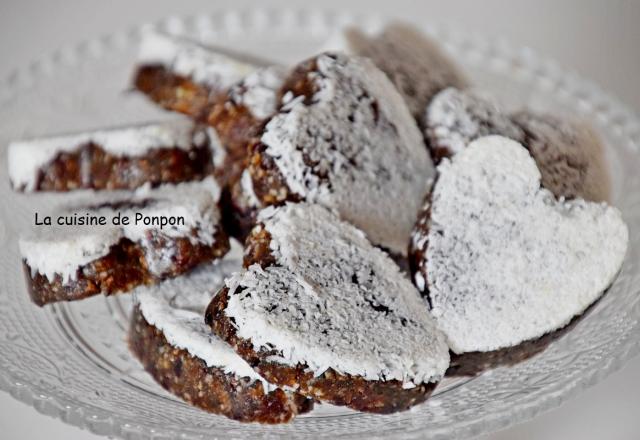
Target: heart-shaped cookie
column 171, row 340
column 501, row 260
column 323, row 311
column 345, row 139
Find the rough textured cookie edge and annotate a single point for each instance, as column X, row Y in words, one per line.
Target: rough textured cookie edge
column 126, row 258
column 209, row 388
column 339, row 389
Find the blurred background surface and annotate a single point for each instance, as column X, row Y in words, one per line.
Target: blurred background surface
column 600, row 40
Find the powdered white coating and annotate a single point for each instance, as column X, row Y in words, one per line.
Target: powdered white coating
column 506, row 261
column 456, row 117
column 27, row 158
column 258, row 92
column 218, row 152
column 335, row 301
column 368, row 159
column 193, row 60
column 246, row 184
column 176, row 307
column 61, row 250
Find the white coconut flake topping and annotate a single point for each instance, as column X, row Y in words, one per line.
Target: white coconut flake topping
column 258, row 92
column 218, row 152
column 456, row 117
column 506, row 261
column 188, row 58
column 26, row 158
column 246, row 185
column 176, row 307
column 332, row 300
column 61, row 250
column 369, row 161
column 195, row 201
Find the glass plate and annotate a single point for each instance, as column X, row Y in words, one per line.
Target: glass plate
column 70, row 360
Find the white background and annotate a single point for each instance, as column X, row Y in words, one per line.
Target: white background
column 598, row 39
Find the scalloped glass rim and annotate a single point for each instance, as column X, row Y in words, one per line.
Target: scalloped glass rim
column 599, row 345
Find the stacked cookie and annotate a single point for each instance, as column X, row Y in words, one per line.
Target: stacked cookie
column 325, row 173
column 169, row 336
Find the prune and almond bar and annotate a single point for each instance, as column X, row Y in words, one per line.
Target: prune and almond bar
column 322, row 311
column 70, row 263
column 117, row 158
column 505, row 266
column 184, row 75
column 343, row 137
column 238, row 119
column 170, row 338
column 232, row 94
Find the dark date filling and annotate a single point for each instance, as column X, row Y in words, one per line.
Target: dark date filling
column 237, row 130
column 256, row 250
column 237, row 217
column 174, row 92
column 209, row 388
column 235, row 126
column 300, row 83
column 126, row 267
column 269, row 184
column 340, row 389
column 91, row 167
column 381, row 397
